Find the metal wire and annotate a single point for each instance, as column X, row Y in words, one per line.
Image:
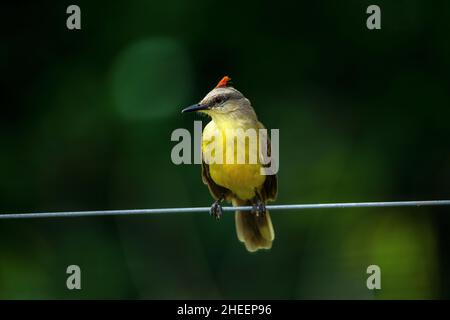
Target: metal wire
column 206, row 209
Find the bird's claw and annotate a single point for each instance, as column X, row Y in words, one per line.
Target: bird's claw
column 259, row 208
column 216, row 210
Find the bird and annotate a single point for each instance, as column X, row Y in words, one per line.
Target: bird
column 242, row 184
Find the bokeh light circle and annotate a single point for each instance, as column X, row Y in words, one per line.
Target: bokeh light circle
column 151, row 79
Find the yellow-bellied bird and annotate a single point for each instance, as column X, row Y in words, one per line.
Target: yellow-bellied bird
column 240, row 183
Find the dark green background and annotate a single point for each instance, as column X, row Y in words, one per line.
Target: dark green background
column 87, row 117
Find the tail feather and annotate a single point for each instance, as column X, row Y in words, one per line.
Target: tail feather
column 255, row 231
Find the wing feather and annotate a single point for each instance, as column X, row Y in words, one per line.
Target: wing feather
column 215, row 190
column 270, row 187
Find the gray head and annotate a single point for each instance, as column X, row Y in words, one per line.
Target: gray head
column 224, row 101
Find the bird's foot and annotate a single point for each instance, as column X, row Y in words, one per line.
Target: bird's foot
column 259, row 208
column 216, row 210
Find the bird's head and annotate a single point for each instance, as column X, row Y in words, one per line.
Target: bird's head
column 223, row 101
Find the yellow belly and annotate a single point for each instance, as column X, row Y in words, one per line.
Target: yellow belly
column 242, row 179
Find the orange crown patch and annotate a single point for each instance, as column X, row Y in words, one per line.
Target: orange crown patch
column 225, row 82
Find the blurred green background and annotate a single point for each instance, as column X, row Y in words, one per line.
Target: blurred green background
column 87, row 117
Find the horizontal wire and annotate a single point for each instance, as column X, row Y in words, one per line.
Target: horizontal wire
column 207, row 209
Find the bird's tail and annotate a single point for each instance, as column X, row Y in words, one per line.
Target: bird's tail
column 255, row 231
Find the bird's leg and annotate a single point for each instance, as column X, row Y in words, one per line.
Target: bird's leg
column 216, row 208
column 259, row 207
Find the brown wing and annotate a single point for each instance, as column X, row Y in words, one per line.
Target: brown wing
column 215, row 190
column 269, row 189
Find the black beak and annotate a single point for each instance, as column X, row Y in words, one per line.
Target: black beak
column 195, row 107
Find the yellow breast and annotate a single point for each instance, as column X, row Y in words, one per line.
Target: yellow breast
column 241, row 178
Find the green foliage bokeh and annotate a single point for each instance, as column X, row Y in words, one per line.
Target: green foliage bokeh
column 86, row 123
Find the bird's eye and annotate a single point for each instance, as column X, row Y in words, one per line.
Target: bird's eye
column 219, row 99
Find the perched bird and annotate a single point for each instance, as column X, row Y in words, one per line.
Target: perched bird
column 240, row 183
